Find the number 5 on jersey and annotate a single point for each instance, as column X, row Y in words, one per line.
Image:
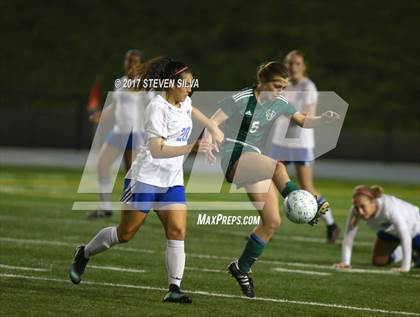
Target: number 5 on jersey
column 254, row 127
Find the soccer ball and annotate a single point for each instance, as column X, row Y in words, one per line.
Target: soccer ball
column 300, row 206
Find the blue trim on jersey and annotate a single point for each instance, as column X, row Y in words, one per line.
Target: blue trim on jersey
column 122, row 141
column 301, row 156
column 145, row 197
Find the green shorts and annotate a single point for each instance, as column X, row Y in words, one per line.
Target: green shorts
column 230, row 153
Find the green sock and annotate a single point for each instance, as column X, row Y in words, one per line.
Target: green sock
column 253, row 250
column 290, row 187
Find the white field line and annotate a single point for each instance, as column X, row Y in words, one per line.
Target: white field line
column 47, row 204
column 220, row 295
column 107, row 268
column 191, row 205
column 278, row 269
column 214, row 257
column 115, row 268
column 240, row 234
column 47, row 220
column 201, row 269
column 296, row 238
column 23, row 268
column 61, row 243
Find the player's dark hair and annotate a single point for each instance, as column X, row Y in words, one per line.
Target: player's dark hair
column 266, row 72
column 164, row 68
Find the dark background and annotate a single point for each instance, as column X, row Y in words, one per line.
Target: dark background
column 365, row 51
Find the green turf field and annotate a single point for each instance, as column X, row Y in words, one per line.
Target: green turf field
column 39, row 232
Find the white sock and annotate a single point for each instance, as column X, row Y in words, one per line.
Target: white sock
column 328, row 217
column 175, row 261
column 105, row 239
column 396, row 256
column 105, row 189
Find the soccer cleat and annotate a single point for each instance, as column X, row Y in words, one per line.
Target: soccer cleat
column 77, row 268
column 333, row 231
column 322, row 209
column 99, row 214
column 176, row 296
column 244, row 280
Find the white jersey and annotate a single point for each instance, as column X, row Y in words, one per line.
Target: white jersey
column 394, row 216
column 301, row 95
column 172, row 124
column 129, row 110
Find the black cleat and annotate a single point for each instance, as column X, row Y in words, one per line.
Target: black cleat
column 244, row 280
column 176, row 296
column 77, row 268
column 99, row 213
column 322, row 209
column 333, row 231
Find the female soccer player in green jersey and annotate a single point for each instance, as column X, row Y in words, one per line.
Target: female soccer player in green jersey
column 249, row 116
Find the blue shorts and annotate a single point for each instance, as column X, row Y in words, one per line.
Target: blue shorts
column 122, row 141
column 144, row 197
column 385, row 236
column 301, row 156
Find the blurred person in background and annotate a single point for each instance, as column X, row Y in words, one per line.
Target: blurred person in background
column 126, row 135
column 397, row 226
column 298, row 146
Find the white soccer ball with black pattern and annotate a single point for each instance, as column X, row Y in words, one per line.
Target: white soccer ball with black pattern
column 300, row 206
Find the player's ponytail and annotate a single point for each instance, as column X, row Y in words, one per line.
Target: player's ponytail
column 266, row 72
column 163, row 67
column 376, row 190
column 371, row 192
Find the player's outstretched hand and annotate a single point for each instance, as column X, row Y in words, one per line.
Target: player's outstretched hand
column 330, row 116
column 342, row 265
column 217, row 136
column 202, row 146
column 94, row 117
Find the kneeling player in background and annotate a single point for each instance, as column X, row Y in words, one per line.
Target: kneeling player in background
column 396, row 222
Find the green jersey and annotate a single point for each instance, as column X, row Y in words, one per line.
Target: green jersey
column 249, row 123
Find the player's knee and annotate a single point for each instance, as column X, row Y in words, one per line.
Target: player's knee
column 280, row 168
column 380, row 260
column 175, row 233
column 126, row 234
column 271, row 226
column 101, row 169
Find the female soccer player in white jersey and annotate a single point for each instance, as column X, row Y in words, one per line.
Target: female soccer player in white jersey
column 299, row 147
column 126, row 135
column 397, row 226
column 155, row 180
column 249, row 116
